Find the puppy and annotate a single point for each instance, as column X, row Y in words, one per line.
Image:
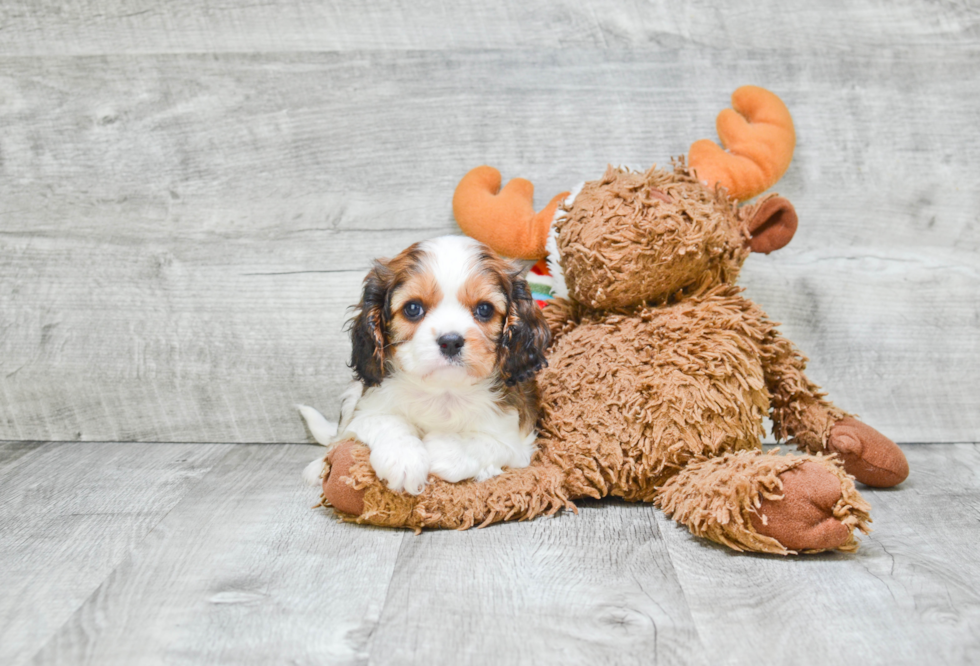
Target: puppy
column 444, row 341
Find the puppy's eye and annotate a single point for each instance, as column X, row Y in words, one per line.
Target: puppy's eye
column 484, row 311
column 413, row 310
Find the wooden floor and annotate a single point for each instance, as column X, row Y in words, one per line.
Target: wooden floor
column 192, row 191
column 121, row 553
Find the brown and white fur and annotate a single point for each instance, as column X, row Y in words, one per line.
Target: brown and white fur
column 444, row 340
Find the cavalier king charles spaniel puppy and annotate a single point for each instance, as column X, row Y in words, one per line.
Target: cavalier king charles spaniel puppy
column 444, row 341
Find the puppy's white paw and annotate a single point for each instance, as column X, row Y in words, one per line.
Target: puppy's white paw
column 488, row 472
column 448, row 458
column 403, row 468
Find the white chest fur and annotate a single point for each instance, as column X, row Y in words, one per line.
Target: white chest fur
column 440, row 407
column 454, row 430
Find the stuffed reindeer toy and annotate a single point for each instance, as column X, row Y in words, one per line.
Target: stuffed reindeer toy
column 660, row 371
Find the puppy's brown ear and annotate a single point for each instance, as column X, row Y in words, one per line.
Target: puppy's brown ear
column 525, row 337
column 369, row 327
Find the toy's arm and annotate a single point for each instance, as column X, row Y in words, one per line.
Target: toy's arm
column 352, row 488
column 801, row 412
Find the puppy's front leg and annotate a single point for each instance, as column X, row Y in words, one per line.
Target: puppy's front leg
column 397, row 455
column 449, row 457
column 455, row 457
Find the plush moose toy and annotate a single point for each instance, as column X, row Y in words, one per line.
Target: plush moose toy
column 660, row 371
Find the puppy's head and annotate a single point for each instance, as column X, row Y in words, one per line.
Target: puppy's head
column 447, row 309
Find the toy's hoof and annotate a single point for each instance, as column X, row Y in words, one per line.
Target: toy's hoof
column 804, row 518
column 338, row 494
column 868, row 456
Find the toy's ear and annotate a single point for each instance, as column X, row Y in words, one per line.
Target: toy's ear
column 369, row 327
column 771, row 224
column 504, row 218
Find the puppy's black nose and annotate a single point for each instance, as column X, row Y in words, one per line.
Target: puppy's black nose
column 450, row 344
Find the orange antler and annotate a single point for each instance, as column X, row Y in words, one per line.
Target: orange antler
column 503, row 219
column 759, row 138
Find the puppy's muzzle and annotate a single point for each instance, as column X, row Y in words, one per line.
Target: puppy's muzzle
column 450, row 344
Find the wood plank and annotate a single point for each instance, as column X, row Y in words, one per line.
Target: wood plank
column 162, row 359
column 596, row 588
column 71, row 512
column 171, row 222
column 910, row 595
column 242, row 571
column 888, row 337
column 12, row 452
column 225, row 145
column 93, row 27
column 219, row 345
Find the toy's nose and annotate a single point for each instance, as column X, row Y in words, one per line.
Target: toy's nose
column 450, row 344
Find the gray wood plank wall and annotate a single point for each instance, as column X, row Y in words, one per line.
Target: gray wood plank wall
column 190, row 192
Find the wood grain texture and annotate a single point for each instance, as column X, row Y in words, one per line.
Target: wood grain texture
column 242, row 571
column 910, row 595
column 70, row 513
column 96, row 26
column 178, row 347
column 191, row 192
column 613, row 585
column 592, row 588
column 182, row 234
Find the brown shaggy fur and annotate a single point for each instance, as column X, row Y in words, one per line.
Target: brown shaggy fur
column 621, row 244
column 630, row 398
column 519, row 494
column 715, row 498
column 660, row 373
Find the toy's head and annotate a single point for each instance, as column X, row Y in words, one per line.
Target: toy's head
column 632, row 237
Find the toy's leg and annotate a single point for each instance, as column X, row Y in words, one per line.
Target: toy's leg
column 801, row 412
column 352, row 489
column 767, row 503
